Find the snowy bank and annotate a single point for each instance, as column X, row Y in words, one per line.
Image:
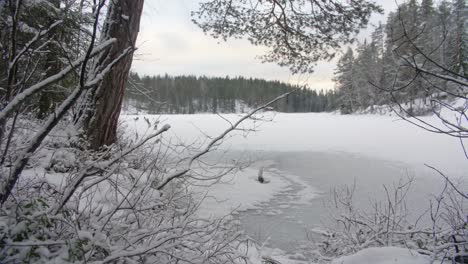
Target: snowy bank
column 385, row 255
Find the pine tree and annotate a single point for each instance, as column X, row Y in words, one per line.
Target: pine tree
column 344, row 82
column 442, row 32
column 458, row 38
column 104, row 104
column 375, row 68
column 426, row 39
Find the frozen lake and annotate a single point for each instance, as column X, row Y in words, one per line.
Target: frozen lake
column 382, row 137
column 284, row 223
column 315, row 153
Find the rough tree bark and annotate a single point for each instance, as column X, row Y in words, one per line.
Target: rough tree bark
column 122, row 23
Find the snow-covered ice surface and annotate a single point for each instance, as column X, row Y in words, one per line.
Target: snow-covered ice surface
column 382, row 137
column 242, row 191
column 385, row 255
column 386, row 138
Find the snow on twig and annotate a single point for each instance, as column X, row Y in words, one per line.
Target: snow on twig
column 216, row 140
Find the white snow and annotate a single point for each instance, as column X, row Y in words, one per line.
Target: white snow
column 385, row 255
column 255, row 256
column 381, row 137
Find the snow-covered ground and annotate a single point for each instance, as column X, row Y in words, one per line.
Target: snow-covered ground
column 387, row 255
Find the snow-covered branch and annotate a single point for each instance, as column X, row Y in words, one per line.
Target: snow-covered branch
column 33, row 40
column 216, row 140
column 24, row 95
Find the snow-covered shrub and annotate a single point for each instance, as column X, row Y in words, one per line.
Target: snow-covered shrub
column 356, row 229
column 166, row 231
column 441, row 233
column 73, row 205
column 62, row 161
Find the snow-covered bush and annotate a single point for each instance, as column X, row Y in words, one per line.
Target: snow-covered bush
column 102, row 210
column 441, row 232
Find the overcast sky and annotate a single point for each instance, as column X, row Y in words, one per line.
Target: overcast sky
column 170, row 43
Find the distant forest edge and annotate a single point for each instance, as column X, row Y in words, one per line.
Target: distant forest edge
column 165, row 94
column 377, row 71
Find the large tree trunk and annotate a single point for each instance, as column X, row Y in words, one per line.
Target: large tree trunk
column 122, row 23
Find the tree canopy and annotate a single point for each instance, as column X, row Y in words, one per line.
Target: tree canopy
column 298, row 33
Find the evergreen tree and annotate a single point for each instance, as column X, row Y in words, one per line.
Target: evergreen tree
column 416, row 34
column 443, row 22
column 344, row 82
column 190, row 94
column 458, row 39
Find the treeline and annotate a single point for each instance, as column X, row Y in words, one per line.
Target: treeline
column 388, row 68
column 191, row 94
